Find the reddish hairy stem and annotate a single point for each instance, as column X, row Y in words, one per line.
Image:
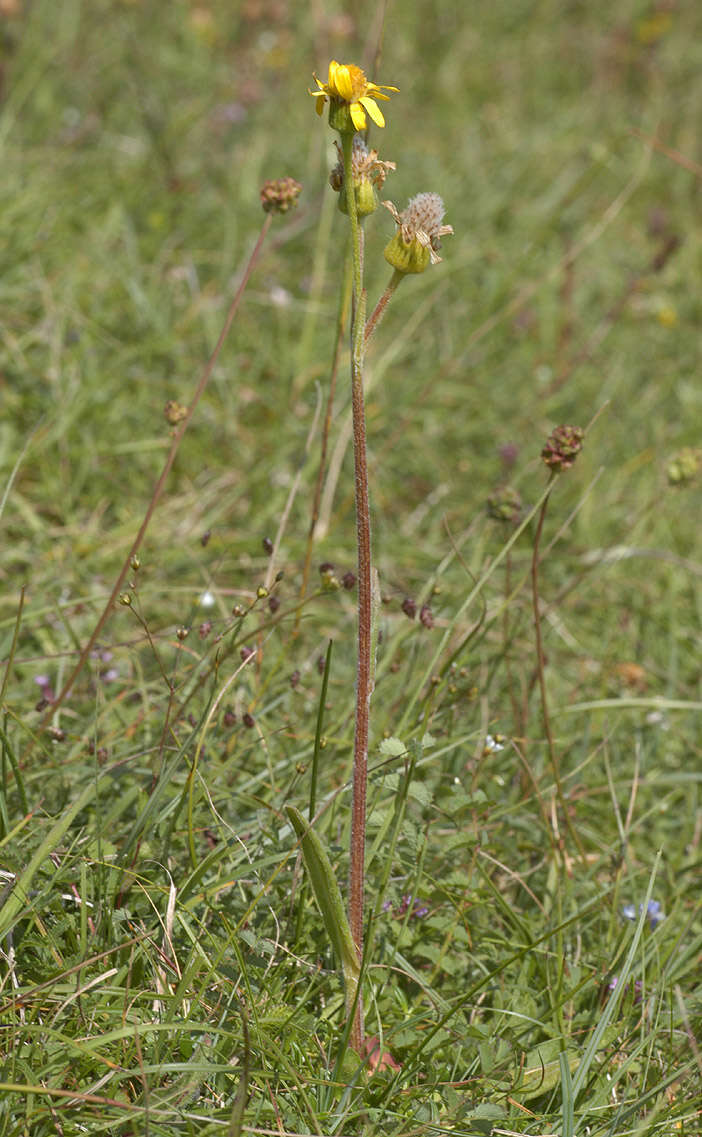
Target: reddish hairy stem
column 363, row 686
column 363, row 538
column 364, row 663
column 379, row 310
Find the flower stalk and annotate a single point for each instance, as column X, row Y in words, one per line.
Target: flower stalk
column 379, row 310
column 561, row 449
column 357, row 178
column 363, row 540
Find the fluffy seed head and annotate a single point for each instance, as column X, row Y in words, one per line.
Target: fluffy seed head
column 426, row 212
column 420, row 232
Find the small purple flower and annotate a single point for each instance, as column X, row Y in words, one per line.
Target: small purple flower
column 509, row 452
column 44, row 684
column 638, row 987
column 417, row 908
column 653, row 911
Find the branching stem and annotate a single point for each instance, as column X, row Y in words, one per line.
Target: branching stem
column 379, row 310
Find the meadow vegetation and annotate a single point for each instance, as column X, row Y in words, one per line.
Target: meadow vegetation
column 533, row 919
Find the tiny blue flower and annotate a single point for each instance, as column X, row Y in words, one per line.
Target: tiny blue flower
column 653, row 911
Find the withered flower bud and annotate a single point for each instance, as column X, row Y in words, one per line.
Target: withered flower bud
column 174, row 412
column 684, row 467
column 426, row 616
column 280, row 195
column 329, row 579
column 504, row 504
column 562, row 448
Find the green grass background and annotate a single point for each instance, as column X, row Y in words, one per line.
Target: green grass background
column 161, row 950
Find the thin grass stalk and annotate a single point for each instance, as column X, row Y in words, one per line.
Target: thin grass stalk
column 317, row 496
column 20, row 897
column 423, row 683
column 13, row 646
column 363, row 540
column 7, row 751
column 314, row 778
column 158, row 488
column 519, row 719
column 541, row 674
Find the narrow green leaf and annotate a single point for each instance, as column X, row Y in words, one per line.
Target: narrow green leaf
column 567, row 1096
column 612, row 1004
column 328, row 897
column 236, row 1119
column 538, row 1077
column 17, row 900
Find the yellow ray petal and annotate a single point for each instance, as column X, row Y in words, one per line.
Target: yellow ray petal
column 343, row 84
column 358, row 118
column 373, row 110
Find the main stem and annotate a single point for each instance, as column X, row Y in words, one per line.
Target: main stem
column 363, row 541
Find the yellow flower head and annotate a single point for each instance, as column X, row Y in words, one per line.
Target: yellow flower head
column 350, row 91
